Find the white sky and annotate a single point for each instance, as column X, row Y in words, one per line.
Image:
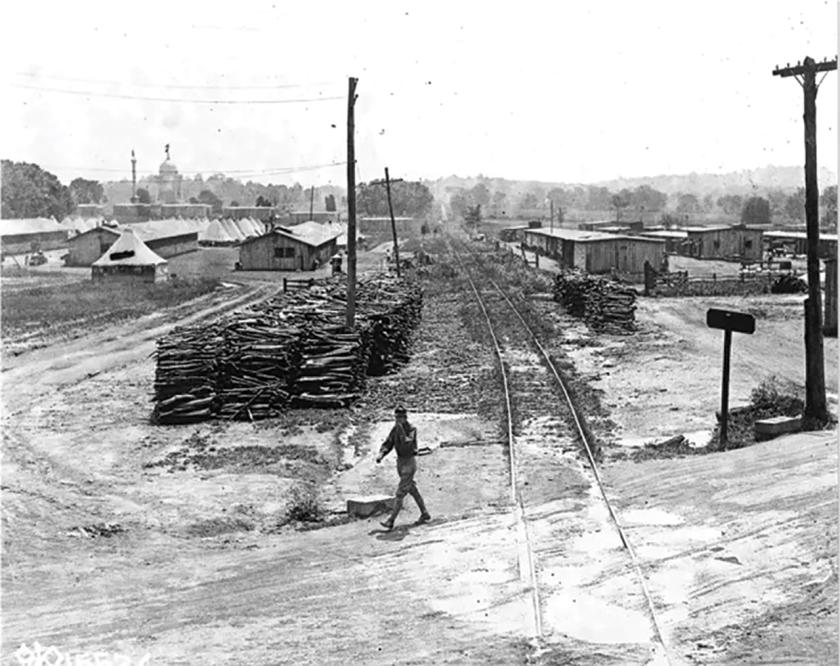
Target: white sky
column 555, row 91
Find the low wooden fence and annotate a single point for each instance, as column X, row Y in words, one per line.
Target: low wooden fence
column 679, row 283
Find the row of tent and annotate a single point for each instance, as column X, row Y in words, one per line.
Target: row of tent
column 225, row 231
column 211, row 232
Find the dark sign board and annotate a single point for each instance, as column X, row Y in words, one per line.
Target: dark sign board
column 730, row 321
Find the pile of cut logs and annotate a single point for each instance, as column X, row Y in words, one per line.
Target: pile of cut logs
column 292, row 350
column 185, row 376
column 606, row 305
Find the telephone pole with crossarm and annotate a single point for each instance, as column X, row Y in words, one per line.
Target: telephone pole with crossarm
column 806, row 75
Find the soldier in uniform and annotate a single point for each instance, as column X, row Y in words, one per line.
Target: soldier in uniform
column 403, row 439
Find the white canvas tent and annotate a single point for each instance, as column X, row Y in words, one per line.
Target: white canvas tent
column 215, row 234
column 232, row 230
column 129, row 258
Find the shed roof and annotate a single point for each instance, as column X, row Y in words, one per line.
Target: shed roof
column 315, row 233
column 306, row 233
column 666, row 233
column 700, row 230
column 32, row 225
column 798, row 235
column 580, row 236
column 129, row 250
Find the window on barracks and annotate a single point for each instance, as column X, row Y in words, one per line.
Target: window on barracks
column 290, row 252
column 748, row 244
column 717, row 244
column 278, row 252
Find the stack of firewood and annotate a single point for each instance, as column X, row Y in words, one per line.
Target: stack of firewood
column 186, row 375
column 293, row 349
column 606, row 305
column 393, row 310
column 258, row 366
column 333, row 365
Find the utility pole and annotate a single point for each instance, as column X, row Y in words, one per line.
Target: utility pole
column 351, row 204
column 133, row 177
column 551, row 215
column 387, row 182
column 815, row 403
column 311, row 201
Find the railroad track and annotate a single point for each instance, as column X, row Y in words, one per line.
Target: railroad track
column 531, row 391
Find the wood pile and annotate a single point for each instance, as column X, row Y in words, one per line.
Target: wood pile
column 606, row 305
column 185, row 375
column 292, row 350
column 393, row 312
column 257, row 367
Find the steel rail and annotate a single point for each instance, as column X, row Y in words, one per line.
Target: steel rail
column 585, row 441
column 526, row 560
column 583, row 438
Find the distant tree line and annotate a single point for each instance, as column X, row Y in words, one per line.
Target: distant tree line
column 408, row 198
column 775, row 205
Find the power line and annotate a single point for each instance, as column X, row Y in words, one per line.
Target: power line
column 238, row 173
column 174, row 86
column 88, row 93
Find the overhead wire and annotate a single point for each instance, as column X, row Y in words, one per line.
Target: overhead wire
column 90, row 93
column 174, row 86
column 239, row 173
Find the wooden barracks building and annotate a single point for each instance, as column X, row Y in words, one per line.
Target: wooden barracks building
column 303, row 247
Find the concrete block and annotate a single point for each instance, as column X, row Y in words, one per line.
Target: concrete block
column 364, row 506
column 777, row 425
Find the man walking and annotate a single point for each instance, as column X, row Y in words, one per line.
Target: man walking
column 403, row 438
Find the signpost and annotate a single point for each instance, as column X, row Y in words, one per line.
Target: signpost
column 728, row 321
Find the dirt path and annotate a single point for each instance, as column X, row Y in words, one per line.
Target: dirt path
column 665, row 380
column 29, row 374
column 740, row 549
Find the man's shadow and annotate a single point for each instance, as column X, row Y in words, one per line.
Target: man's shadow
column 397, row 533
column 400, row 532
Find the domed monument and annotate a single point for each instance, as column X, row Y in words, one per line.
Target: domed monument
column 168, row 181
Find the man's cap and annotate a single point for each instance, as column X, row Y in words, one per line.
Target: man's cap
column 399, row 410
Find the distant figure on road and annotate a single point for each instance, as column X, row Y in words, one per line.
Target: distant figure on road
column 403, row 438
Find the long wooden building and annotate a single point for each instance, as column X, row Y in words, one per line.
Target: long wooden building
column 724, row 242
column 21, row 236
column 796, row 242
column 166, row 238
column 596, row 252
column 303, row 247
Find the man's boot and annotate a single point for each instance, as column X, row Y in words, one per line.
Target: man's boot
column 424, row 514
column 388, row 524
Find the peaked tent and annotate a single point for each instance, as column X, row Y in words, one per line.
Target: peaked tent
column 257, row 226
column 214, row 234
column 129, row 258
column 232, row 230
column 243, row 228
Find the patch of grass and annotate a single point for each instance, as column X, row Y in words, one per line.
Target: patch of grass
column 774, row 396
column 304, row 505
column 77, row 303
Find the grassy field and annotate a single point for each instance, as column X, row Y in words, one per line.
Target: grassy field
column 57, row 305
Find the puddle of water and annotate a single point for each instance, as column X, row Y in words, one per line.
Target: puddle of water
column 590, row 619
column 637, row 517
column 503, row 616
column 634, row 442
column 348, row 451
column 699, row 438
